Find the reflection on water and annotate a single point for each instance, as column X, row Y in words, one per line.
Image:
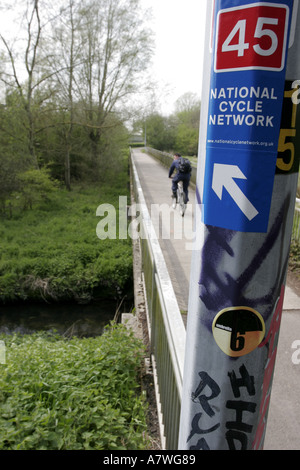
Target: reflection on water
column 65, row 319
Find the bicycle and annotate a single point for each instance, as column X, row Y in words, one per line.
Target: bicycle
column 180, row 199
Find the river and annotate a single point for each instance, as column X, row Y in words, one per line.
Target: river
column 65, row 319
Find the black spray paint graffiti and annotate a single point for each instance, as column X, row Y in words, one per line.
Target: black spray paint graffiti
column 237, row 431
column 217, row 293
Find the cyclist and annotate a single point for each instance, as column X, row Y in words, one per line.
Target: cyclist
column 179, row 176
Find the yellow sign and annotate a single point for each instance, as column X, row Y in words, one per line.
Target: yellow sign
column 238, row 330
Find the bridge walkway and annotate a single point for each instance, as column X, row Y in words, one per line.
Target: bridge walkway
column 283, row 429
column 176, row 247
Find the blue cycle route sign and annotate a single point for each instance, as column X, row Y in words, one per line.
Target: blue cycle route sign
column 250, row 41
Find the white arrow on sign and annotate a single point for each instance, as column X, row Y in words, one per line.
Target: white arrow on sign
column 223, row 177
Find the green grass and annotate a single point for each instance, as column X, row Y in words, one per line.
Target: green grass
column 78, row 394
column 52, row 251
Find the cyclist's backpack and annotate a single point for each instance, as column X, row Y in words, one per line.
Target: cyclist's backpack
column 184, row 166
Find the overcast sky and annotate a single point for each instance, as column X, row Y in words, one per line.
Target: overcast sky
column 180, row 30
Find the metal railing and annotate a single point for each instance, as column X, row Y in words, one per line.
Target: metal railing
column 166, row 159
column 166, row 328
column 296, row 224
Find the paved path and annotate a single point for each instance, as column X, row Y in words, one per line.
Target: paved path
column 283, row 428
column 157, row 191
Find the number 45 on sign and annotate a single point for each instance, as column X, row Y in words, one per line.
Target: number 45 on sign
column 252, row 37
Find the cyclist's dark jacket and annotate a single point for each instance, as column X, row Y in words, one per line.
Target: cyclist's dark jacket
column 184, row 177
column 175, row 166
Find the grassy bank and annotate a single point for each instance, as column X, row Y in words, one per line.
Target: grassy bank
column 78, row 394
column 52, row 252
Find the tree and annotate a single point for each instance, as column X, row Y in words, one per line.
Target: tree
column 160, row 131
column 178, row 132
column 70, row 70
column 13, row 78
column 117, row 49
column 65, row 39
column 188, row 122
column 103, row 49
column 187, row 102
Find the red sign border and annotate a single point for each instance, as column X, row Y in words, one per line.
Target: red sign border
column 243, row 7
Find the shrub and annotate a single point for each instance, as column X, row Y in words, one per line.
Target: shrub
column 294, row 260
column 35, row 186
column 78, row 394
